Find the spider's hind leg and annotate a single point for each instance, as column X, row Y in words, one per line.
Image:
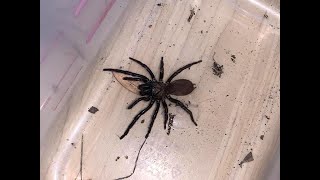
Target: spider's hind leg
column 165, row 106
column 179, row 103
column 153, row 119
column 135, row 119
column 137, row 101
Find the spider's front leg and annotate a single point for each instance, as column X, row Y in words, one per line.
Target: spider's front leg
column 161, row 70
column 127, row 73
column 181, row 69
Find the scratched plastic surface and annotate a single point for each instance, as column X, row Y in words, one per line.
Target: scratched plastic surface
column 71, row 34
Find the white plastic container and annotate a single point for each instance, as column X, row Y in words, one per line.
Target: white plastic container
column 73, row 33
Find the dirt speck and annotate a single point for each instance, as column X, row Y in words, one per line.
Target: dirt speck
column 217, row 69
column 201, row 31
column 126, row 157
column 93, row 110
column 159, row 4
column 265, row 16
column 267, row 116
column 171, row 117
column 117, row 158
column 247, row 159
column 150, row 26
column 233, row 58
column 261, row 137
column 192, row 13
column 142, row 121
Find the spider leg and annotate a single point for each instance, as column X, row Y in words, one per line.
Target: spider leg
column 179, row 103
column 135, row 79
column 181, row 69
column 137, row 101
column 144, row 66
column 153, row 119
column 127, row 73
column 161, row 70
column 135, row 119
column 165, row 106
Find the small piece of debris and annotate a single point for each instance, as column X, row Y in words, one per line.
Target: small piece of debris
column 126, row 157
column 201, row 31
column 267, row 116
column 93, row 110
column 150, row 26
column 261, row 137
column 142, row 121
column 217, row 69
column 117, row 158
column 233, row 58
column 266, row 16
column 171, row 116
column 204, row 21
column 192, row 13
column 159, row 4
column 246, row 159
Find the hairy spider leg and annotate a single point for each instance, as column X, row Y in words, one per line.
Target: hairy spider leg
column 137, row 101
column 134, row 79
column 165, row 106
column 135, row 119
column 153, row 119
column 144, row 66
column 127, row 73
column 161, row 70
column 179, row 103
column 181, row 69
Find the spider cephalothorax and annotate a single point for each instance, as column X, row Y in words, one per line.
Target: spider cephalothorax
column 157, row 92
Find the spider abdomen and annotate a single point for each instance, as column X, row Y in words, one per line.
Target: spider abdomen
column 180, row 87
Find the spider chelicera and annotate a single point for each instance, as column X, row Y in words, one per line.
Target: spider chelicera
column 157, row 92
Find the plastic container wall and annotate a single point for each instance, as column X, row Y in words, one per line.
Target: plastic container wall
column 71, row 33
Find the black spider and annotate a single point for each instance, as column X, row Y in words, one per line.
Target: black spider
column 157, row 91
